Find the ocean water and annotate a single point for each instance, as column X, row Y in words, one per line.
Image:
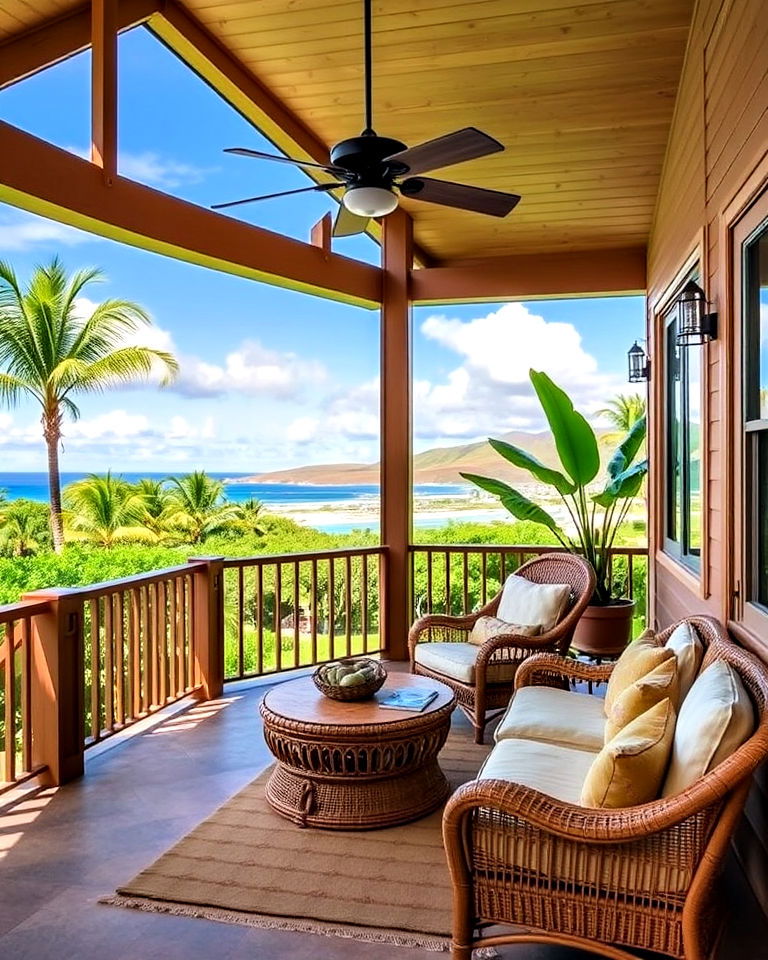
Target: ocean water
column 34, row 486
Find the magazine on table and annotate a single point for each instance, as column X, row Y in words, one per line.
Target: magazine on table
column 415, row 700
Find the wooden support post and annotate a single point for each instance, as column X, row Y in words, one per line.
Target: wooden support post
column 104, row 26
column 320, row 235
column 57, row 694
column 208, row 636
column 396, row 485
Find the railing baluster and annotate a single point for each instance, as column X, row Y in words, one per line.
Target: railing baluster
column 188, row 592
column 278, row 618
column 9, row 668
column 466, row 583
column 484, row 577
column 348, row 604
column 296, row 640
column 364, row 598
column 430, row 601
column 95, row 671
column 134, row 650
column 240, row 621
column 313, row 608
column 447, row 583
column 26, row 694
column 119, row 659
column 260, row 619
column 331, row 610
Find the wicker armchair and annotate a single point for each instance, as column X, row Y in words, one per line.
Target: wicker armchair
column 608, row 881
column 486, row 698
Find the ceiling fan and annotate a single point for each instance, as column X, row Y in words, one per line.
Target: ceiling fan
column 372, row 168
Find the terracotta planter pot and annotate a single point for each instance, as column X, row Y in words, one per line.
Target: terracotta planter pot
column 604, row 631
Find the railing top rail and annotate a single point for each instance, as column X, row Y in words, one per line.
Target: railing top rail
column 23, row 608
column 512, row 548
column 93, row 590
column 269, row 558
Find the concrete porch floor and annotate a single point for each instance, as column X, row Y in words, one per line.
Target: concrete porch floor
column 61, row 850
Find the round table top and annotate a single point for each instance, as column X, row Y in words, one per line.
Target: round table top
column 301, row 700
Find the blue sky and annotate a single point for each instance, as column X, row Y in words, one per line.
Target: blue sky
column 271, row 378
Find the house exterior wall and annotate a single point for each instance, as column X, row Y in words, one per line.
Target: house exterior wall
column 716, row 169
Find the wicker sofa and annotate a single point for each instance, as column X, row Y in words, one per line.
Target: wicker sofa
column 611, row 881
column 494, row 664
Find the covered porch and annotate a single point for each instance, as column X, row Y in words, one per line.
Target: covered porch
column 639, row 131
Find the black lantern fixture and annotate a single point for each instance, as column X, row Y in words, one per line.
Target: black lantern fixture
column 639, row 364
column 695, row 325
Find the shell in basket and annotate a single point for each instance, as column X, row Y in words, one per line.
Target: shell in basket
column 350, row 679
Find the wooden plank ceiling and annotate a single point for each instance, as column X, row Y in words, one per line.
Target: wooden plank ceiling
column 581, row 96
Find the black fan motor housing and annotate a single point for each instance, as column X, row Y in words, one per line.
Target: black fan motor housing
column 364, row 156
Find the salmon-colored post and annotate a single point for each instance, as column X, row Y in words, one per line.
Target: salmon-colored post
column 321, row 233
column 57, row 694
column 208, row 625
column 104, row 86
column 396, row 487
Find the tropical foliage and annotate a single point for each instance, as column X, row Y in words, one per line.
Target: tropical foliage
column 104, row 510
column 624, row 411
column 52, row 352
column 595, row 518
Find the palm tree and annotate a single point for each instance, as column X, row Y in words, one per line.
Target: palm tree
column 249, row 514
column 624, row 411
column 199, row 506
column 50, row 352
column 24, row 528
column 157, row 501
column 104, row 509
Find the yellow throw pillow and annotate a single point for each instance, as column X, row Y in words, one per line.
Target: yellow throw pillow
column 640, row 657
column 630, row 769
column 643, row 694
column 486, row 628
column 688, row 650
column 715, row 719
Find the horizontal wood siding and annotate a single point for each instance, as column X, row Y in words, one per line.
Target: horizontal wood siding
column 719, row 135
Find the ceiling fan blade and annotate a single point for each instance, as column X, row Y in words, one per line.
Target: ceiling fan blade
column 494, row 203
column 347, row 224
column 283, row 193
column 258, row 155
column 467, row 144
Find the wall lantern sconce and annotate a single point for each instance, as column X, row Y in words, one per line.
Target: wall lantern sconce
column 695, row 325
column 639, row 364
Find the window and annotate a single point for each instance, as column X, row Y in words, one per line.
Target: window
column 682, row 535
column 755, row 406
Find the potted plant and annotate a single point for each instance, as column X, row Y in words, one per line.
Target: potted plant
column 605, row 627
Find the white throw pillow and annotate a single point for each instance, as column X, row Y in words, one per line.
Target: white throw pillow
column 688, row 650
column 535, row 603
column 486, row 628
column 715, row 719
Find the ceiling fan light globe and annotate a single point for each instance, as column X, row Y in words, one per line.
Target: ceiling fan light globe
column 370, row 201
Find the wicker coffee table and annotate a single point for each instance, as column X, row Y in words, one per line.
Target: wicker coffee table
column 355, row 766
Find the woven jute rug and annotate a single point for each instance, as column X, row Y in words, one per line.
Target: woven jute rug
column 246, row 864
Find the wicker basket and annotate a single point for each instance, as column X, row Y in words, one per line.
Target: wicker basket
column 361, row 692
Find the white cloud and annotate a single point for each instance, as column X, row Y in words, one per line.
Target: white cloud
column 158, row 171
column 25, row 231
column 490, row 392
column 252, row 369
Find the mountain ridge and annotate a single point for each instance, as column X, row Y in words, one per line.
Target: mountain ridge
column 438, row 465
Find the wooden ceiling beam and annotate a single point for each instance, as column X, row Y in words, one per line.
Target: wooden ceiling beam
column 43, row 179
column 34, row 50
column 593, row 273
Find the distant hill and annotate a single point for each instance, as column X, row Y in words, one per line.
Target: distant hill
column 440, row 465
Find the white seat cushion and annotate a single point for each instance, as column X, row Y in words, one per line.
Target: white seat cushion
column 688, row 650
column 557, row 771
column 560, row 772
column 555, row 716
column 457, row 660
column 536, row 603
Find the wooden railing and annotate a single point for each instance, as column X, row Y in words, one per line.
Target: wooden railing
column 459, row 579
column 16, row 693
column 78, row 665
column 296, row 610
column 138, row 651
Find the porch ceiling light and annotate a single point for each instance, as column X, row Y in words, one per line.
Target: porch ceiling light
column 639, row 364
column 370, row 201
column 695, row 325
